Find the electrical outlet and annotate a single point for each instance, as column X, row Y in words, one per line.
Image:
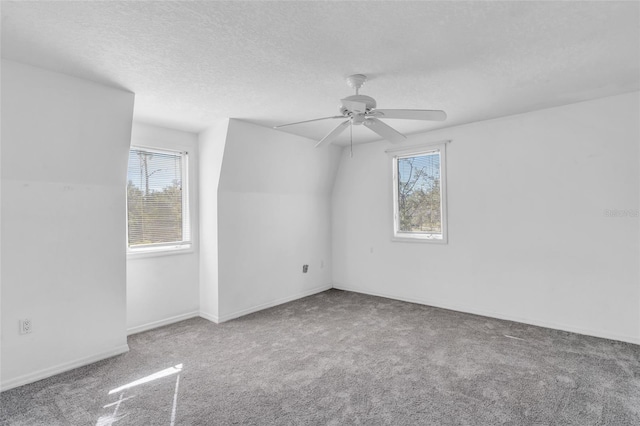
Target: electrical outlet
column 26, row 326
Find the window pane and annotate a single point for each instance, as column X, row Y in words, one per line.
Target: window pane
column 419, row 201
column 154, row 197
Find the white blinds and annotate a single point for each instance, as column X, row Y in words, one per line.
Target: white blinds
column 156, row 198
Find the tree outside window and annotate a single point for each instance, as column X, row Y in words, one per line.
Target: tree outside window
column 419, row 193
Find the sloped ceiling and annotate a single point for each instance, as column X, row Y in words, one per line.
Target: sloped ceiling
column 191, row 63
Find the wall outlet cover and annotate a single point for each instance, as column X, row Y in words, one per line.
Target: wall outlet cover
column 26, row 326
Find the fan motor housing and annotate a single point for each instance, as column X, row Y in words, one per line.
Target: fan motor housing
column 367, row 100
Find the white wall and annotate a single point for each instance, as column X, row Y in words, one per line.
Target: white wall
column 164, row 288
column 211, row 143
column 274, row 215
column 528, row 236
column 65, row 143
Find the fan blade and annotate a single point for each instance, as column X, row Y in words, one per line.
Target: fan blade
column 334, row 133
column 308, row 121
column 389, row 133
column 354, row 105
column 412, row 114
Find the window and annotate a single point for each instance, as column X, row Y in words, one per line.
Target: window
column 157, row 200
column 419, row 195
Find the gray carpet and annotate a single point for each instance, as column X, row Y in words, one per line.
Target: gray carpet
column 340, row 358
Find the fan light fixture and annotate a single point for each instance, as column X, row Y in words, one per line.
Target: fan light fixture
column 362, row 110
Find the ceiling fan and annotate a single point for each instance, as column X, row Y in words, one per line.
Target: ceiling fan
column 361, row 110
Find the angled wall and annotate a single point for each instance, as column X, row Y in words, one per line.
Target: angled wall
column 65, row 143
column 531, row 233
column 211, row 143
column 274, row 216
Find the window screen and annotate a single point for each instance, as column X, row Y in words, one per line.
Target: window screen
column 156, row 199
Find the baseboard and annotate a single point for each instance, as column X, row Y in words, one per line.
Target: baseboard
column 491, row 314
column 60, row 368
column 210, row 317
column 160, row 323
column 243, row 312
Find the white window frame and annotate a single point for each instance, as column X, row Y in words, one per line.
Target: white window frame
column 173, row 247
column 412, row 151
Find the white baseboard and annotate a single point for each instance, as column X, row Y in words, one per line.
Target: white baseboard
column 160, row 323
column 237, row 314
column 491, row 314
column 60, row 368
column 210, row 317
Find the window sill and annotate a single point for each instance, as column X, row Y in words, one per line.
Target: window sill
column 419, row 240
column 168, row 251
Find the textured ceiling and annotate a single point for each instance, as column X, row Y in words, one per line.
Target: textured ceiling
column 191, row 63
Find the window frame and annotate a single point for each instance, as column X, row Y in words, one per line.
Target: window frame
column 414, row 151
column 161, row 249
